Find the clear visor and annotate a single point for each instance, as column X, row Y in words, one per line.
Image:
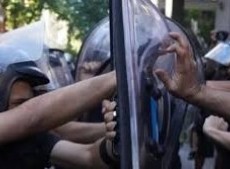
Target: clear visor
column 28, row 40
column 220, row 53
column 27, row 44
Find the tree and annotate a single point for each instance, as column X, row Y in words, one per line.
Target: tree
column 21, row 12
column 80, row 14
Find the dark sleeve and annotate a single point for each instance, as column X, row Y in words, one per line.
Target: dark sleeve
column 46, row 143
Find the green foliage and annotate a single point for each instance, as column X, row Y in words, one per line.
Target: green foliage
column 19, row 13
column 81, row 15
column 205, row 21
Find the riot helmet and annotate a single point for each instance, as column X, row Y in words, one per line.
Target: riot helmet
column 28, row 44
column 95, row 49
column 17, row 65
column 32, row 39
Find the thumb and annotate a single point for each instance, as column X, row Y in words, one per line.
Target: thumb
column 164, row 77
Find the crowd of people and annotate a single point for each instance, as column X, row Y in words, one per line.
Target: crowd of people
column 73, row 126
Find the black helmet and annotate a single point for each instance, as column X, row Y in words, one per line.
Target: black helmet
column 16, row 65
column 96, row 47
column 32, row 41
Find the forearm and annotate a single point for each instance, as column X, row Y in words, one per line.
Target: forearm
column 72, row 155
column 69, row 102
column 80, row 132
column 53, row 109
column 221, row 137
column 219, row 85
column 216, row 101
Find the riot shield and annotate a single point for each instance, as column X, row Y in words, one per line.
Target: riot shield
column 180, row 108
column 150, row 118
column 95, row 48
column 138, row 31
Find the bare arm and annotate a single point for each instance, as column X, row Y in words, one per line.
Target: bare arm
column 55, row 108
column 218, row 96
column 80, row 132
column 219, row 85
column 217, row 101
column 221, row 137
column 72, row 155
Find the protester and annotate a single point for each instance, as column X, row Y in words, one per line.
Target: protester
column 24, row 141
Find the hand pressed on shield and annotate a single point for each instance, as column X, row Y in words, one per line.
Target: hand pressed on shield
column 184, row 82
column 108, row 110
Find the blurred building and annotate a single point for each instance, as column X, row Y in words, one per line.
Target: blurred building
column 220, row 7
column 191, row 4
column 223, row 15
column 206, row 5
column 56, row 29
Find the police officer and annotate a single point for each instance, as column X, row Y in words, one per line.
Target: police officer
column 20, row 146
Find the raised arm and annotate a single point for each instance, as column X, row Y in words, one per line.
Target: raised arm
column 219, row 85
column 184, row 82
column 55, row 108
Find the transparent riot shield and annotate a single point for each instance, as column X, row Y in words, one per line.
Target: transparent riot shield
column 94, row 59
column 95, row 48
column 150, row 118
column 180, row 108
column 139, row 31
column 29, row 39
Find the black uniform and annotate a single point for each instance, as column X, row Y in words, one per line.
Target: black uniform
column 30, row 153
